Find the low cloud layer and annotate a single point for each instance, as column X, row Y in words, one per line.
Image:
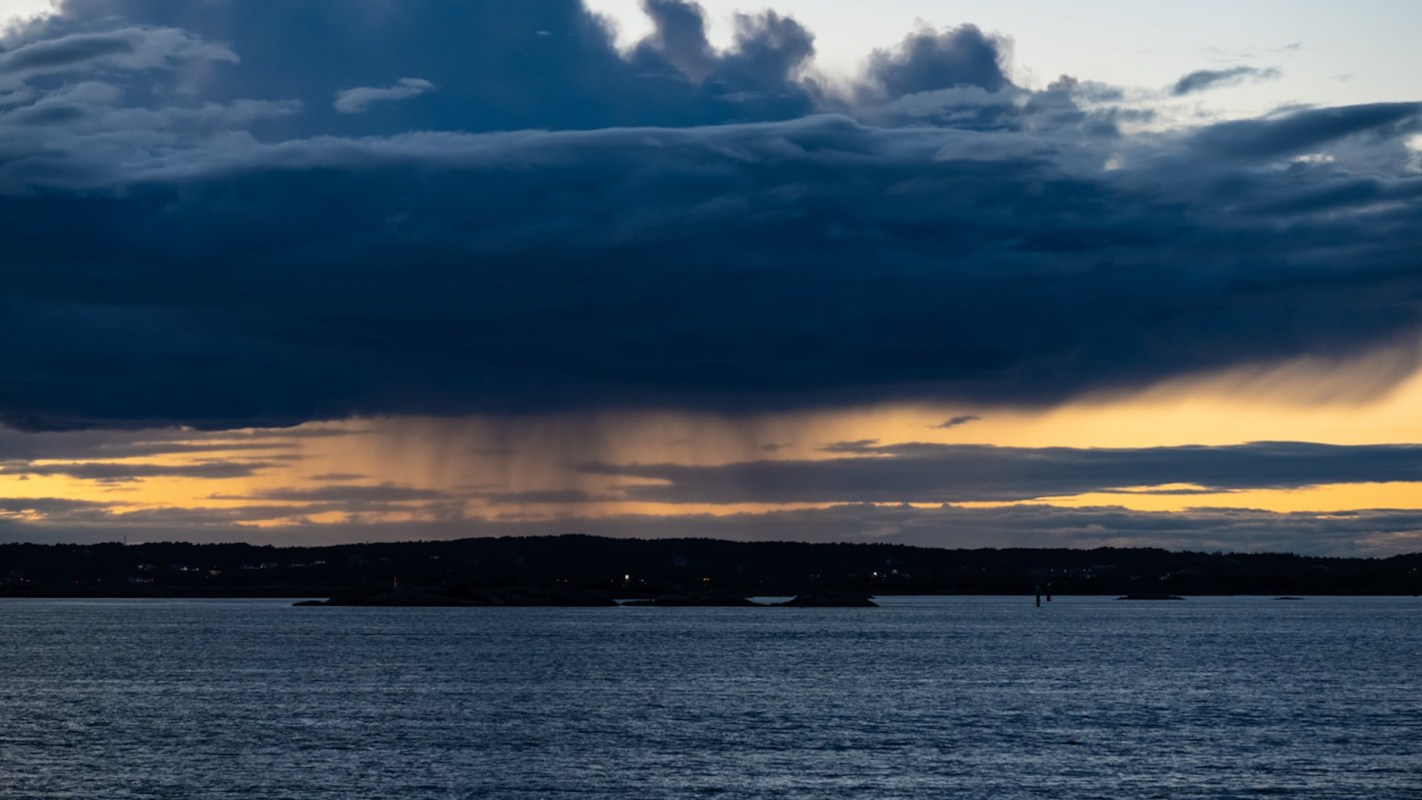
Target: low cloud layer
column 105, row 472
column 936, row 473
column 196, row 234
column 1366, row 533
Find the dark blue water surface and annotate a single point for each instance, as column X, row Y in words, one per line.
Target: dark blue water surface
column 922, row 698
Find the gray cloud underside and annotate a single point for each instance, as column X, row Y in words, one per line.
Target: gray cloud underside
column 932, row 473
column 690, row 228
column 1375, row 532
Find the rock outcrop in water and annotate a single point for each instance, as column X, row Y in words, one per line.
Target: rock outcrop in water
column 732, row 600
column 463, row 596
column 829, row 601
column 457, row 597
column 1150, row 597
column 704, row 599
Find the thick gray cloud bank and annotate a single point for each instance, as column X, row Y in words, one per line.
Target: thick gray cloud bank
column 199, row 229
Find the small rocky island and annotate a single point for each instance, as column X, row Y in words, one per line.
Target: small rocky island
column 731, row 600
column 460, row 596
column 829, row 601
column 455, row 597
column 1150, row 596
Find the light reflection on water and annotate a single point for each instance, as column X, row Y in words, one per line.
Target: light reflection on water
column 922, row 698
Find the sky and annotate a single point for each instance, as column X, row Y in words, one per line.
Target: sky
column 960, row 275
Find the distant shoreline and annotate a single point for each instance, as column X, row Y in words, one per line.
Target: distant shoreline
column 321, row 601
column 646, row 569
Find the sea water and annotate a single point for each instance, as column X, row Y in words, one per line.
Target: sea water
column 921, row 698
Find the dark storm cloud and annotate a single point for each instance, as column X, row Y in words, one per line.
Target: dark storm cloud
column 194, row 239
column 678, row 38
column 1300, row 131
column 928, row 60
column 1200, row 80
column 936, row 473
column 497, row 65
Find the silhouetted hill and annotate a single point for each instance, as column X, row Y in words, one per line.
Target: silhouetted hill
column 649, row 568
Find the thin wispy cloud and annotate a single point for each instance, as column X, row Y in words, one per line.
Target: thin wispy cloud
column 361, row 98
column 116, row 472
column 1204, row 79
